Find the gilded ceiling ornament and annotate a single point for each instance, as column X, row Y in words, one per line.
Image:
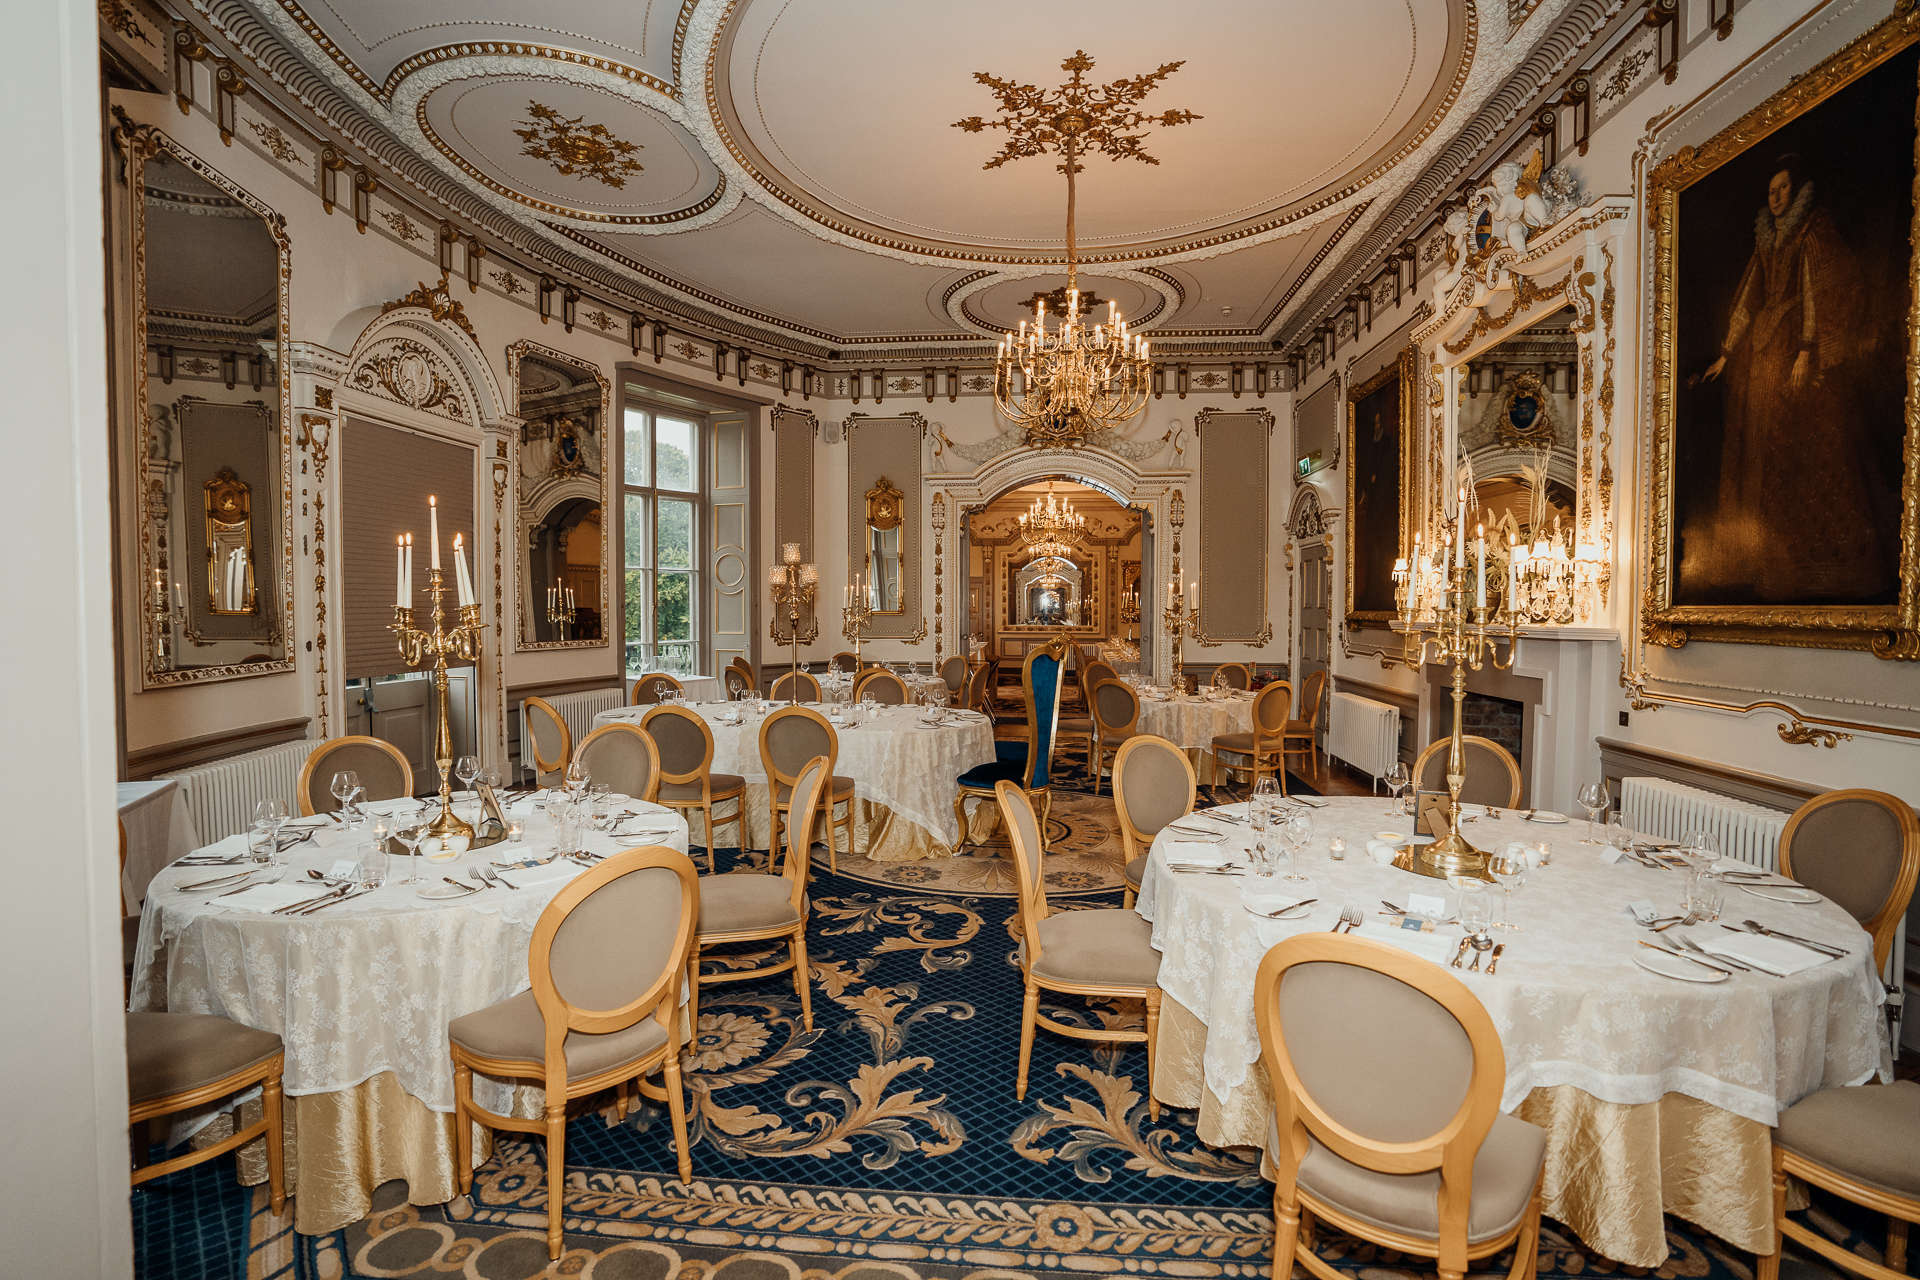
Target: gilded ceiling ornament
column 600, row 320
column 590, row 152
column 509, row 283
column 1056, row 301
column 438, row 302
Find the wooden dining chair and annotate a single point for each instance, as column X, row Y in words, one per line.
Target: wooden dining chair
column 1419, row 1161
column 739, row 683
column 607, row 959
column 685, row 747
column 1234, row 675
column 624, row 757
column 1257, row 752
column 545, row 737
column 1859, row 1143
column 1028, row 764
column 1153, row 785
column 753, row 906
column 648, row 689
column 1106, row 953
column 886, row 688
column 745, row 668
column 1861, row 850
column 1305, row 728
column 783, row 688
column 789, row 738
column 954, row 672
column 844, row 661
column 384, row 772
column 1493, row 775
column 183, row 1061
column 1116, row 718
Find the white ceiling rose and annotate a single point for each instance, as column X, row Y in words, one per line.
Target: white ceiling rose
column 1044, row 279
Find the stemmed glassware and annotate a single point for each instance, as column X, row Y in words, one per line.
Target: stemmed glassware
column 1594, row 798
column 1701, row 849
column 345, row 783
column 1257, row 819
column 579, row 777
column 1298, row 829
column 1476, row 916
column 1397, row 779
column 268, row 817
column 409, row 834
column 1509, row 870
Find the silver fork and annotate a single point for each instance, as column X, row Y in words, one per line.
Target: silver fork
column 1692, row 917
column 474, row 872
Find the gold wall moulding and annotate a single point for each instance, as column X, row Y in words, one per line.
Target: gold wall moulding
column 586, row 152
column 439, row 303
column 884, row 505
column 1799, row 729
column 1379, row 441
column 1801, row 734
column 1763, row 558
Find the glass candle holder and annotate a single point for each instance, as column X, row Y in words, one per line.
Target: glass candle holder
column 514, row 831
column 1337, row 849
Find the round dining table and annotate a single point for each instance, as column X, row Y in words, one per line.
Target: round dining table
column 1192, row 721
column 361, row 991
column 905, row 773
column 1657, row 1092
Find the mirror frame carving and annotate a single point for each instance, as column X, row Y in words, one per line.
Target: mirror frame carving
column 886, row 511
column 524, row 600
column 139, row 143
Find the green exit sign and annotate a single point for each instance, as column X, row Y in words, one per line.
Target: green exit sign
column 1309, row 464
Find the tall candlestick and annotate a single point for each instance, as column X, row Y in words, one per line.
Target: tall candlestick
column 433, row 530
column 409, row 573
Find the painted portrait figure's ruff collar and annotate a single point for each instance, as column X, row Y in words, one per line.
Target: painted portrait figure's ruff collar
column 1765, row 228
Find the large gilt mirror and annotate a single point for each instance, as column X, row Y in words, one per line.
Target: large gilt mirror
column 563, row 585
column 885, row 515
column 1519, row 403
column 208, row 269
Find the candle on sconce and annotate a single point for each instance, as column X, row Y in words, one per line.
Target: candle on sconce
column 179, row 602
column 1460, row 531
column 409, row 572
column 433, row 531
column 399, row 572
column 462, row 583
column 1480, row 550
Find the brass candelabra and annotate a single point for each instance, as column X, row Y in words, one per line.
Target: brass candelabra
column 854, row 621
column 793, row 585
column 461, row 640
column 560, row 610
column 1180, row 620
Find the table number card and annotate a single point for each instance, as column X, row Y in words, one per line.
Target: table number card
column 1426, row 906
column 343, row 869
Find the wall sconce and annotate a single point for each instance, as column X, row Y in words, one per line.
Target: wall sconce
column 569, row 306
column 547, row 285
column 879, row 386
column 1260, row 379
column 448, row 238
column 475, row 252
column 1236, row 378
column 256, row 369
column 659, row 342
column 806, row 382
column 165, row 355
column 1159, row 379
column 187, row 50
column 228, row 86
column 854, row 377
column 740, row 364
column 331, row 163
column 926, row 383
column 786, row 377
column 363, row 188
column 634, row 325
column 229, row 368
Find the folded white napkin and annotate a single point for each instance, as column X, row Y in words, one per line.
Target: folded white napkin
column 311, row 820
column 231, row 847
column 1775, row 955
column 1195, row 852
column 271, row 897
column 552, row 874
column 1733, row 864
column 1436, row 947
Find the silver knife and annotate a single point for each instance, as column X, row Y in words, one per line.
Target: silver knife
column 334, row 902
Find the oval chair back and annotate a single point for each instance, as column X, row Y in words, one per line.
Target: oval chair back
column 783, row 688
column 1234, row 675
column 384, row 772
column 1153, row 784
column 1098, row 670
column 1493, row 777
column 682, row 742
column 792, row 736
column 1023, row 837
column 545, row 729
column 954, row 672
column 885, row 688
column 1270, row 708
column 844, row 661
column 975, row 698
column 1040, row 678
column 1338, row 1083
column 808, row 786
column 648, row 689
column 739, row 683
column 1116, row 708
column 1861, row 849
column 1313, row 693
column 622, row 756
column 745, row 668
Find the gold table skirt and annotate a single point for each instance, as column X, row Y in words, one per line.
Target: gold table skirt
column 1612, row 1168
column 879, row 834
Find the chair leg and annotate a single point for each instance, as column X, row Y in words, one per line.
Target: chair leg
column 1029, row 1010
column 1286, row 1233
column 271, row 1103
column 463, row 1126
column 707, row 810
column 1153, row 1042
column 677, row 1109
column 693, row 994
column 1767, row 1266
column 960, row 819
column 556, row 1171
column 803, row 976
column 1896, row 1243
column 1126, row 898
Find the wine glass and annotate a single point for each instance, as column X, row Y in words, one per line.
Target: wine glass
column 268, row 817
column 345, row 783
column 1509, row 870
column 1257, row 819
column 579, row 777
column 409, row 834
column 1701, row 849
column 1397, row 779
column 1476, row 916
column 467, row 768
column 1594, row 797
column 1298, row 829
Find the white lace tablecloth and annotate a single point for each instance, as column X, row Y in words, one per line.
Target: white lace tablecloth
column 1193, row 723
column 896, row 761
column 360, row 988
column 1569, row 1002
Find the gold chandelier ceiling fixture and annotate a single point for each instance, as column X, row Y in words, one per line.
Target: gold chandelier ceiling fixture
column 1051, row 528
column 1077, row 379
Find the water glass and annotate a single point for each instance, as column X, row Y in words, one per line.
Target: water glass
column 1617, row 834
column 372, row 870
column 1257, row 814
column 1476, row 910
column 268, row 817
column 1396, row 779
column 1509, row 870
column 409, row 835
column 1298, row 829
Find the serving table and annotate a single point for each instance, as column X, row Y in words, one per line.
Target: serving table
column 1657, row 1094
column 904, row 774
column 361, row 994
column 1192, row 722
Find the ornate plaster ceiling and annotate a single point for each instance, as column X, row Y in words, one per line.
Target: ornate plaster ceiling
column 793, row 165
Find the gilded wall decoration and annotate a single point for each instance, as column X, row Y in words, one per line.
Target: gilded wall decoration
column 600, row 320
column 403, row 226
column 406, row 371
column 509, row 283
column 589, row 151
column 439, row 302
column 1786, row 453
column 275, row 142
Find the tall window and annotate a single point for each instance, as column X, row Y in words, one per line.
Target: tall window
column 665, row 500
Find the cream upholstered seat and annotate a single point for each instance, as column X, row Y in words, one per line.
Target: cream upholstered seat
column 1861, row 849
column 545, row 738
column 784, row 687
column 178, row 1061
column 789, row 738
column 883, row 687
column 685, row 747
column 624, row 757
column 1257, row 753
column 384, row 773
column 648, row 689
column 1116, row 718
column 1418, row 1161
column 1860, row 1143
column 749, row 906
column 607, row 959
column 1153, row 785
column 1106, row 952
column 1493, row 777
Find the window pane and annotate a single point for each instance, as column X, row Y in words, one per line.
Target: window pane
column 637, row 451
column 675, row 548
column 673, row 453
column 639, row 546
column 638, row 632
column 673, row 600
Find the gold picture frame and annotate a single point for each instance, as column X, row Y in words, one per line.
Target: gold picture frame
column 1888, row 630
column 1401, row 375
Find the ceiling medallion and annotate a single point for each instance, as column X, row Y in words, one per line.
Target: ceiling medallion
column 1056, row 300
column 590, row 152
column 1075, row 381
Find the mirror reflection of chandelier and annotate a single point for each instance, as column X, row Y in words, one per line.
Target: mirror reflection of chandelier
column 1077, row 379
column 1051, row 528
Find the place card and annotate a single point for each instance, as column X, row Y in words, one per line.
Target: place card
column 343, row 869
column 1612, row 854
column 1643, row 911
column 1427, row 905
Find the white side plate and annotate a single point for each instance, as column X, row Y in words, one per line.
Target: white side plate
column 1674, row 967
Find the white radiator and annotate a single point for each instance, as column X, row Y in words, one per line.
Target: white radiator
column 578, row 710
column 1668, row 810
column 1364, row 733
column 221, row 795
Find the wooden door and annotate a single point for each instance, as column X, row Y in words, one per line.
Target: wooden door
column 1316, row 625
column 400, row 712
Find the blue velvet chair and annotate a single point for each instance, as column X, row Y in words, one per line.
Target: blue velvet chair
column 1024, row 764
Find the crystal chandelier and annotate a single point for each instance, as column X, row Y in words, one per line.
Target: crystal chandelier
column 1079, row 378
column 1051, row 528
